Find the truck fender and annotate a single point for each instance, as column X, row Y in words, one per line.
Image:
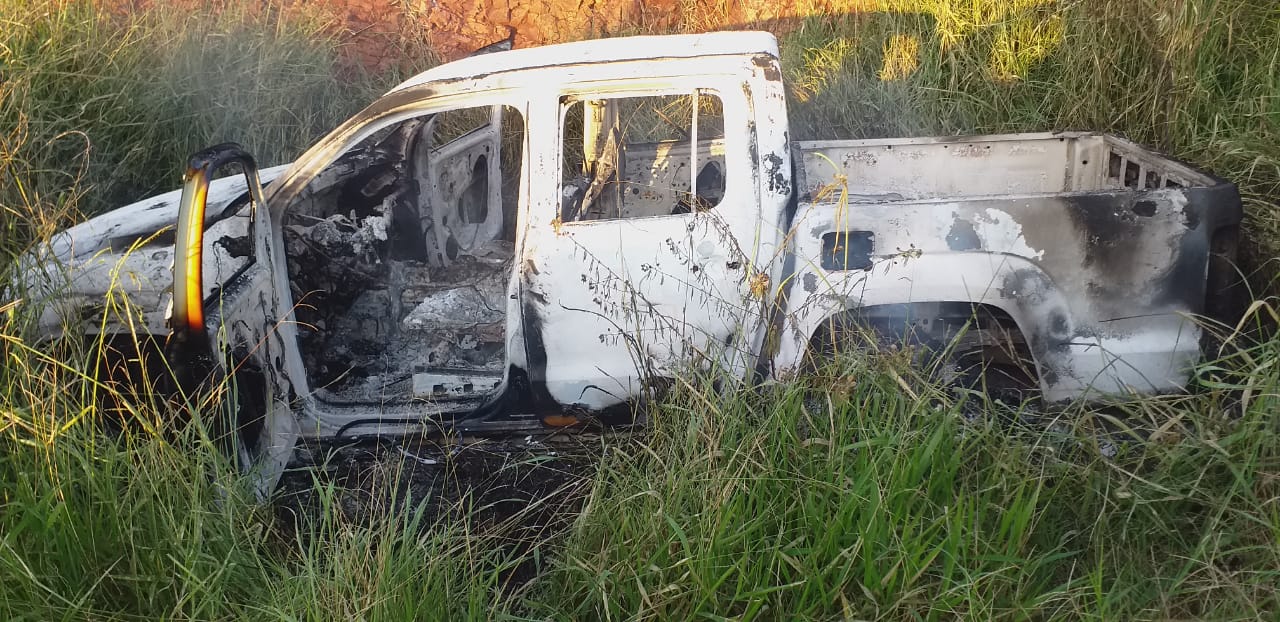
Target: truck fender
column 1012, row 284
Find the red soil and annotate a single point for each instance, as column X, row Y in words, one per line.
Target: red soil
column 383, row 33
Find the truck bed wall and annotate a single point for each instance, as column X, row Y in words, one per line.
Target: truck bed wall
column 951, row 168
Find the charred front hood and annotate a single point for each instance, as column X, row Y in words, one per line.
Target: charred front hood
column 124, row 259
column 119, row 229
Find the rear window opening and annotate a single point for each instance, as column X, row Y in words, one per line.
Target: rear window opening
column 636, row 157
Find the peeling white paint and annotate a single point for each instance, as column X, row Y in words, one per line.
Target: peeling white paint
column 1000, row 232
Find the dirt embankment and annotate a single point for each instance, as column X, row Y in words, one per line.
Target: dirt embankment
column 382, row 33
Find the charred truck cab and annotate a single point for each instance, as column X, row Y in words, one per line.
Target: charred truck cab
column 446, row 267
column 537, row 236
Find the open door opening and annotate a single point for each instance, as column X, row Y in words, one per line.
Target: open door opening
column 400, row 260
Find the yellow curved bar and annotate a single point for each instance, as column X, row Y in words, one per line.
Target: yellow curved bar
column 188, row 278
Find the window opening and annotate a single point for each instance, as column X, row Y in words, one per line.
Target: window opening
column 636, row 157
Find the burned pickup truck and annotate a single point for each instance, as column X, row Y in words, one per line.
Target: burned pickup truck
column 536, row 236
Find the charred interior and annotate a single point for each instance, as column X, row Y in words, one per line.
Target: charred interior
column 401, row 252
column 400, row 257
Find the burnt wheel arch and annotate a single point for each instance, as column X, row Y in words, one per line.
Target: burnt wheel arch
column 966, row 345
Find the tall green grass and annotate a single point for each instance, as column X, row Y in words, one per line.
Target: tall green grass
column 1198, row 79
column 122, row 101
column 102, row 525
column 850, row 499
column 864, row 493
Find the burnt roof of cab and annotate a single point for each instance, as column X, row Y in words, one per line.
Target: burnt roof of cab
column 602, row 50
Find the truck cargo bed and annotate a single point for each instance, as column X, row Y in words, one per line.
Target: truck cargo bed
column 1105, row 255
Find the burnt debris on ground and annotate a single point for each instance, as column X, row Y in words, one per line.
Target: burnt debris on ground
column 525, row 491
